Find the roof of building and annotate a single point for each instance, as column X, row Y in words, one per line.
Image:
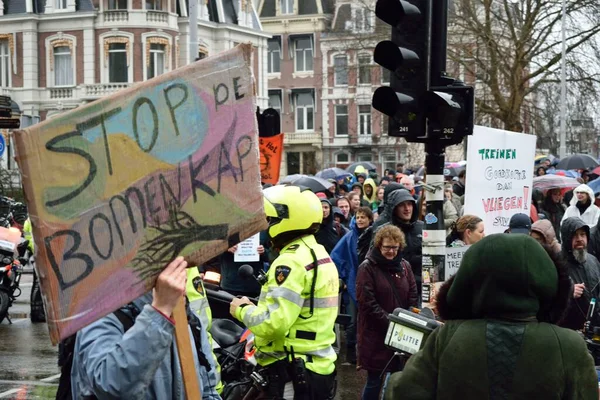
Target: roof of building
column 305, row 7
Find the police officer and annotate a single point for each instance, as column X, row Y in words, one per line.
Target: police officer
column 294, row 319
column 194, row 290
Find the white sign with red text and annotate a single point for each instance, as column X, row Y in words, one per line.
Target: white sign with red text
column 499, row 176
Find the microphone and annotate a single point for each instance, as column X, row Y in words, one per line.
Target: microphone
column 247, row 272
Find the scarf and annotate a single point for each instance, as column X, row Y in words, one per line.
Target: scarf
column 393, row 266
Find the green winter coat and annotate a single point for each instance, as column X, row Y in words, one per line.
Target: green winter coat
column 499, row 340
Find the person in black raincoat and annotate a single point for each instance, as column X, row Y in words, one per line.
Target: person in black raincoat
column 330, row 231
column 584, row 271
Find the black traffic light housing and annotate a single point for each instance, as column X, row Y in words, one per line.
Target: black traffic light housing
column 423, row 104
column 406, row 57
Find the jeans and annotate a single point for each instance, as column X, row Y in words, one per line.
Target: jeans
column 351, row 329
column 373, row 386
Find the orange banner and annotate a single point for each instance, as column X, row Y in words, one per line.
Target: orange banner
column 270, row 158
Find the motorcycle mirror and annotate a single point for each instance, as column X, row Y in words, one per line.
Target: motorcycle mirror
column 246, row 271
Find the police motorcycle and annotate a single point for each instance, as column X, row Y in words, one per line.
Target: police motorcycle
column 234, row 344
column 407, row 332
column 13, row 250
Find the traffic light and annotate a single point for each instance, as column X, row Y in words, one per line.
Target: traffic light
column 406, row 57
column 450, row 112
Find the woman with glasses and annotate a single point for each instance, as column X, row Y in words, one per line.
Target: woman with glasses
column 385, row 282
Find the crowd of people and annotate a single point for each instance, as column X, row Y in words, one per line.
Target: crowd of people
column 517, row 287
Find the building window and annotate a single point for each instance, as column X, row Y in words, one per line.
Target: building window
column 274, row 55
column 364, row 120
column 61, row 4
column 117, row 4
column 155, row 5
column 63, row 66
column 342, row 158
column 4, row 64
column 275, row 100
column 156, row 63
column 293, row 163
column 286, row 6
column 389, row 161
column 364, row 69
column 340, row 69
column 385, row 124
column 117, row 63
column 305, row 112
column 362, row 20
column 362, row 157
column 303, row 53
column 341, row 120
column 385, row 75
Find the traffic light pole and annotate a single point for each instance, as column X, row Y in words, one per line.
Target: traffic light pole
column 434, row 235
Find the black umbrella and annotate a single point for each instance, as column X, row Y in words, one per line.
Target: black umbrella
column 366, row 164
column 313, row 183
column 577, row 161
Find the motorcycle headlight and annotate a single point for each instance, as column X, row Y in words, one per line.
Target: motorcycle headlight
column 6, row 261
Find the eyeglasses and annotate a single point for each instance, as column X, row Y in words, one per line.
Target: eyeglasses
column 390, row 248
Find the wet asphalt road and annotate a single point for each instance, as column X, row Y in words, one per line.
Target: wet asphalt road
column 28, row 368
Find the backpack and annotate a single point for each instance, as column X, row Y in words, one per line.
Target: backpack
column 66, row 348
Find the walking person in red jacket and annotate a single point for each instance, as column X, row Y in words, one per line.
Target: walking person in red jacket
column 385, row 282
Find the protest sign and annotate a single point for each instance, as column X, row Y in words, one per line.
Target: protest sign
column 118, row 188
column 270, row 158
column 454, row 257
column 247, row 251
column 499, row 176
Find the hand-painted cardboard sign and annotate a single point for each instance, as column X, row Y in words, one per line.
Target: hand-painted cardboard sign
column 271, row 149
column 118, row 188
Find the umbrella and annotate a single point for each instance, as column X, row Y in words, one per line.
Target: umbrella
column 332, row 173
column 292, row 178
column 547, row 182
column 368, row 166
column 313, row 183
column 596, row 171
column 577, row 161
column 595, row 185
column 562, row 172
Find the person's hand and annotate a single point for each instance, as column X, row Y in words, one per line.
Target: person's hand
column 235, row 303
column 578, row 290
column 170, row 286
column 260, row 249
column 232, row 249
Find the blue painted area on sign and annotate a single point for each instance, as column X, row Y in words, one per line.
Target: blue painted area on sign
column 2, row 145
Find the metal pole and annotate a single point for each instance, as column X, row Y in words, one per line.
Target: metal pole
column 563, row 86
column 193, row 44
column 434, row 235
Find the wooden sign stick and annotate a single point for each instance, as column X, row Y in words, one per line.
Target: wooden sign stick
column 184, row 349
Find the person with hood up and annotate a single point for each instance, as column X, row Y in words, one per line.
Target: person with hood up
column 543, row 232
column 582, row 206
column 554, row 209
column 584, row 270
column 385, row 282
column 499, row 339
column 360, row 174
column 330, row 231
column 358, row 189
column 346, row 260
column 370, row 190
column 400, row 210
